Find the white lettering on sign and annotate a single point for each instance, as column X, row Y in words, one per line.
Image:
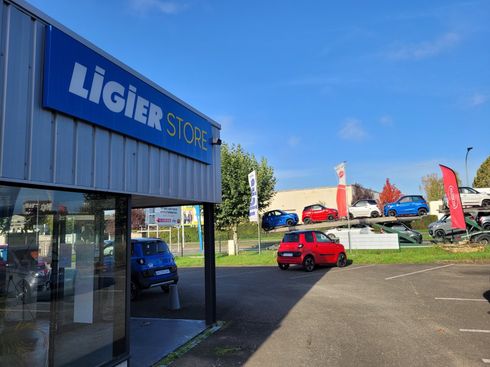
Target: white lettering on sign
column 116, row 97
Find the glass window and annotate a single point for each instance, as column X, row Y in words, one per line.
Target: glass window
column 154, row 248
column 309, row 237
column 322, row 237
column 291, row 237
column 406, row 199
column 63, row 276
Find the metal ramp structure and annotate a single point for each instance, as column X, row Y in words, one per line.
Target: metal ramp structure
column 474, row 232
column 345, row 223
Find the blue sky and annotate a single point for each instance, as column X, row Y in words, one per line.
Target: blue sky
column 393, row 88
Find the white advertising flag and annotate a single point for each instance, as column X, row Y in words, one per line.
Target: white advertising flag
column 253, row 213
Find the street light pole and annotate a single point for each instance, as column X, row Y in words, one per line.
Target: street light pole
column 466, row 164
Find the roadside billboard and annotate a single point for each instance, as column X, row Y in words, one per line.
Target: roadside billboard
column 163, row 217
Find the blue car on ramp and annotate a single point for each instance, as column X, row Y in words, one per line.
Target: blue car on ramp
column 278, row 218
column 407, row 205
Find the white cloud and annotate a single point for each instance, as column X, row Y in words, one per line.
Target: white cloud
column 161, row 6
column 425, row 49
column 352, row 130
column 478, row 99
column 386, row 120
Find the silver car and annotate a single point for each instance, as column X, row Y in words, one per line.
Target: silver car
column 442, row 228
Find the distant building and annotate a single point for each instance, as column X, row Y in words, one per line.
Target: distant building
column 296, row 200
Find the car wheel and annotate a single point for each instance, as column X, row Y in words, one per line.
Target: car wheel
column 483, row 239
column 391, row 213
column 135, row 291
column 283, row 266
column 307, row 221
column 486, row 226
column 165, row 288
column 341, row 260
column 422, row 211
column 290, row 222
column 439, row 234
column 485, row 203
column 330, row 217
column 374, row 214
column 309, row 263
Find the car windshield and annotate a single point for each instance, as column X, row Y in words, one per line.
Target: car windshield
column 154, row 248
column 291, row 237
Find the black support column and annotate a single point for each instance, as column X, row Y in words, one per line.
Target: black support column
column 209, row 264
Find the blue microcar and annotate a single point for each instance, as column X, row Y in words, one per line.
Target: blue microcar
column 407, row 205
column 278, row 218
column 152, row 265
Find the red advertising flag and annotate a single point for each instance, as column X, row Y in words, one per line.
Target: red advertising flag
column 341, row 194
column 453, row 199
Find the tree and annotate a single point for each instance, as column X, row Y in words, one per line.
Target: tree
column 389, row 194
column 236, row 164
column 433, row 187
column 137, row 218
column 360, row 192
column 482, row 178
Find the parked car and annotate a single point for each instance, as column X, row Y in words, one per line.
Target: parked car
column 484, row 221
column 23, row 274
column 318, row 213
column 278, row 218
column 471, row 197
column 442, row 228
column 364, row 208
column 152, row 265
column 405, row 230
column 407, row 205
column 309, row 248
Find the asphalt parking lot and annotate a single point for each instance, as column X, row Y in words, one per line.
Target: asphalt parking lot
column 361, row 315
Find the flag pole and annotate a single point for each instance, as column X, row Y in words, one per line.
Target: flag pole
column 347, row 212
column 258, row 228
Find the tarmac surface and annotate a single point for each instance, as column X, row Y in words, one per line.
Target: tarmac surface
column 361, row 315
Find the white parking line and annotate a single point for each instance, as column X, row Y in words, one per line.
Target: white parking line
column 417, row 272
column 337, row 271
column 462, row 299
column 475, row 331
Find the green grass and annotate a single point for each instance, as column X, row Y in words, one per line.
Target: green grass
column 403, row 256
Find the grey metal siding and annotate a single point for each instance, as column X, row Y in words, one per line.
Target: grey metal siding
column 43, row 147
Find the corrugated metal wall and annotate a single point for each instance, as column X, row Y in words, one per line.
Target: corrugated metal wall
column 48, row 148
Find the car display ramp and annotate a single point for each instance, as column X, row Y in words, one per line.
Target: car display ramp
column 344, row 223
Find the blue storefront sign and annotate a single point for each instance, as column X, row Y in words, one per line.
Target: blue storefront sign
column 82, row 83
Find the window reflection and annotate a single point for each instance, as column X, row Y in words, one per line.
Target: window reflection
column 62, row 277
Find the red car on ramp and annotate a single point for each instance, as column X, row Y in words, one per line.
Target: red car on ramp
column 318, row 213
column 309, row 248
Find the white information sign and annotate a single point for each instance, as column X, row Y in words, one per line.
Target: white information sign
column 163, row 217
column 253, row 213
